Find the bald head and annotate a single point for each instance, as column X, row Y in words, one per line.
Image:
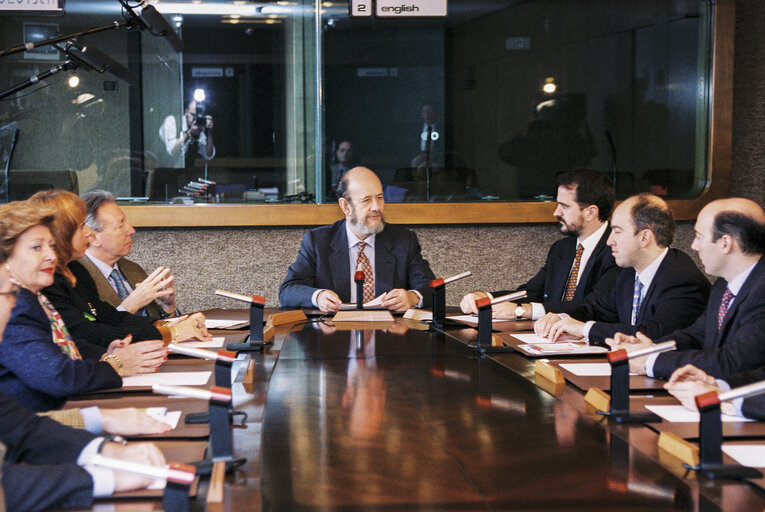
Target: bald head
column 360, row 196
column 742, row 219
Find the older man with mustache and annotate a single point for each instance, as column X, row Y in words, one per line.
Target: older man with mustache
column 322, row 275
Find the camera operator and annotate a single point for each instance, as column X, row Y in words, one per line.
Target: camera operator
column 197, row 134
column 196, row 137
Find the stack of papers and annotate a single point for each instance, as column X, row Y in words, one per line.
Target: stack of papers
column 537, row 345
column 679, row 414
column 169, row 378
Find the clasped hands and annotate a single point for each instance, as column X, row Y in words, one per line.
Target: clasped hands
column 398, row 300
column 157, row 286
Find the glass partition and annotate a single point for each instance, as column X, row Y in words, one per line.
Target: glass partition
column 484, row 105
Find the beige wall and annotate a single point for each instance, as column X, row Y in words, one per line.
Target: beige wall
column 255, row 260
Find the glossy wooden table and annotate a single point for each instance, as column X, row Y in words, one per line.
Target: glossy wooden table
column 402, row 419
column 376, row 420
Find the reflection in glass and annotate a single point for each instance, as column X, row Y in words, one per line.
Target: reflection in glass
column 459, row 108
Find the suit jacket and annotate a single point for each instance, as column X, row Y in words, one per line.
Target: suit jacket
column 323, row 263
column 40, row 470
column 675, row 298
column 132, row 272
column 549, row 284
column 88, row 317
column 35, row 372
column 753, row 407
column 736, row 347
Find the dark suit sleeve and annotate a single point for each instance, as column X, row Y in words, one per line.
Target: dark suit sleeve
column 753, row 407
column 419, row 274
column 675, row 306
column 76, row 307
column 40, row 469
column 40, row 487
column 300, row 283
column 742, row 349
column 28, row 352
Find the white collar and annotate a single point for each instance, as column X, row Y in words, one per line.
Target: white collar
column 105, row 269
column 353, row 239
column 648, row 273
column 735, row 284
column 591, row 241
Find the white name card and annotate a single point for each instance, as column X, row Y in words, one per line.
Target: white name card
column 410, row 8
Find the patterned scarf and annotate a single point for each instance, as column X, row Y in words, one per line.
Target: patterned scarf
column 60, row 333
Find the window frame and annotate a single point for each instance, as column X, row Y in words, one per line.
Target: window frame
column 718, row 175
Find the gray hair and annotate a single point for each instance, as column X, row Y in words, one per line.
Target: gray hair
column 94, row 200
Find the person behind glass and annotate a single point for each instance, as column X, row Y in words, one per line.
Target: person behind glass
column 121, row 282
column 575, row 265
column 658, row 289
column 344, row 158
column 688, row 382
column 322, row 274
column 75, row 295
column 41, row 363
column 195, row 139
column 46, row 464
column 727, row 337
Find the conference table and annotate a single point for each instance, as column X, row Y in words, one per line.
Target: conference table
column 393, row 416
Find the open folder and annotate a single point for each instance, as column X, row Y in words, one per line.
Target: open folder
column 375, row 303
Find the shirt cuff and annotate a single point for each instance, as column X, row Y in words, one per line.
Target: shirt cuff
column 419, row 303
column 537, row 310
column 120, row 308
column 649, row 362
column 103, row 479
column 92, row 418
column 314, row 295
column 586, row 329
column 737, row 404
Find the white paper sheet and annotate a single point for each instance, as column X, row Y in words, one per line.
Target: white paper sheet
column 217, row 342
column 474, row 319
column 561, row 349
column 221, row 324
column 751, row 455
column 375, row 303
column 533, row 339
column 161, row 414
column 589, row 369
column 679, row 414
column 170, row 378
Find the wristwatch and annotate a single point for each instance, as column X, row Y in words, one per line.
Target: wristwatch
column 519, row 312
column 110, row 438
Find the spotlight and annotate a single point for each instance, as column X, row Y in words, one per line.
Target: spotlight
column 549, row 86
column 73, row 81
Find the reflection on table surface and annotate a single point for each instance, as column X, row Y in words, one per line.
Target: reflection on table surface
column 394, row 417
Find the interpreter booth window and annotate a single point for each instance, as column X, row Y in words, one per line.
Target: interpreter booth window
column 494, row 100
column 271, row 102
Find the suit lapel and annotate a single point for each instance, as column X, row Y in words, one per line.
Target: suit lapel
column 105, row 290
column 340, row 263
column 757, row 273
column 667, row 263
column 384, row 264
column 585, row 273
column 565, row 261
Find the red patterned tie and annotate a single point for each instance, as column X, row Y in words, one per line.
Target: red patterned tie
column 574, row 275
column 362, row 263
column 726, row 298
